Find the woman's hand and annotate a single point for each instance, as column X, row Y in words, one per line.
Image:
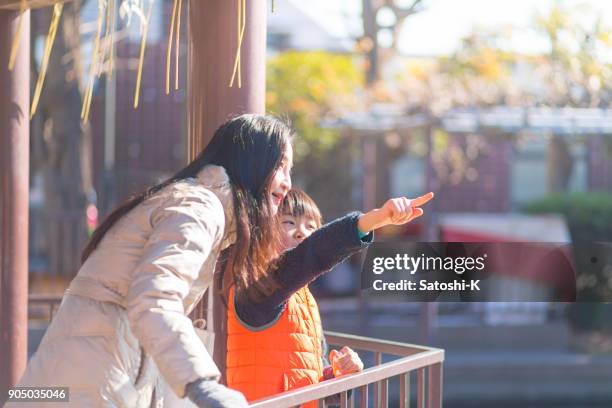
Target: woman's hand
column 211, row 394
column 345, row 361
column 396, row 211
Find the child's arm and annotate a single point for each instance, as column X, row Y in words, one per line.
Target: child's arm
column 325, row 248
column 334, row 242
column 317, row 254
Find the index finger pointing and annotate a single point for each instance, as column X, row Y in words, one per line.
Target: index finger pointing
column 419, row 201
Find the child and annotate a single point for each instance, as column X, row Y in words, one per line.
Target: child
column 276, row 343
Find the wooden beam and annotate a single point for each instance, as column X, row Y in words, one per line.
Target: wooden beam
column 14, row 195
column 30, row 4
column 212, row 53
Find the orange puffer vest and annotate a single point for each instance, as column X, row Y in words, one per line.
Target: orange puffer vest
column 281, row 356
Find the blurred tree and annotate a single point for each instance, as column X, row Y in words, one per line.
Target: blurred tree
column 382, row 23
column 484, row 71
column 306, row 88
column 589, row 219
column 64, row 156
column 575, row 74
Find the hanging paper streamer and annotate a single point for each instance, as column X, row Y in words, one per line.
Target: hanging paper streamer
column 107, row 43
column 94, row 63
column 169, row 48
column 113, row 6
column 241, row 6
column 57, row 14
column 177, row 50
column 142, row 53
column 15, row 44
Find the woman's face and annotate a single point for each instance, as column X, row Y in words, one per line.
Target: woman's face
column 281, row 180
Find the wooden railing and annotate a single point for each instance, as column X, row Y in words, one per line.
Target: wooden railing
column 425, row 361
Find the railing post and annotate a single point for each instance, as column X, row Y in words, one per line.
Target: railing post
column 384, row 385
column 404, row 390
column 377, row 362
column 363, row 391
column 434, row 386
column 343, row 399
column 421, row 387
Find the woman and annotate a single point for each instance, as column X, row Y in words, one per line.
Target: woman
column 123, row 323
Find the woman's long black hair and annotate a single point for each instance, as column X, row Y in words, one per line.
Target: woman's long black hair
column 250, row 148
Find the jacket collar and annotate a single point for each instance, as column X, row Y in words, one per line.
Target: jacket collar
column 215, row 179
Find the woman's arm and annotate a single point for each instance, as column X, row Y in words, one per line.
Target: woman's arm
column 185, row 229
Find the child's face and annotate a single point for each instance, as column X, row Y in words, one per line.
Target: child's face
column 296, row 229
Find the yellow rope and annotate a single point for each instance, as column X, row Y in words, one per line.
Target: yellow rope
column 15, row 45
column 57, row 13
column 241, row 37
column 241, row 26
column 112, row 39
column 142, row 52
column 191, row 122
column 273, row 5
column 92, row 68
column 169, row 48
column 177, row 48
column 239, row 45
column 105, row 43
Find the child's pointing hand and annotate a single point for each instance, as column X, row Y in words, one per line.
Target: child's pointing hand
column 396, row 211
column 402, row 210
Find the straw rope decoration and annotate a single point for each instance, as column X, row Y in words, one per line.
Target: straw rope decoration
column 103, row 41
column 239, row 33
column 94, row 63
column 193, row 122
column 106, row 44
column 176, row 17
column 142, row 52
column 238, row 45
column 15, row 44
column 112, row 5
column 169, row 49
column 57, row 14
column 177, row 50
column 241, row 6
column 113, row 25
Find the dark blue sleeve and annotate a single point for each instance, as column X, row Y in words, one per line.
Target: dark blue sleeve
column 326, row 247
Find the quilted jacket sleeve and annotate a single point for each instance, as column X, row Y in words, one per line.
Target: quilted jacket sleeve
column 184, row 233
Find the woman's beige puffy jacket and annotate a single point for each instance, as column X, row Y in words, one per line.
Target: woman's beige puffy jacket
column 123, row 319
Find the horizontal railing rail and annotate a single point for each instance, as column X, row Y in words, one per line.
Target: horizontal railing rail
column 50, row 301
column 426, row 361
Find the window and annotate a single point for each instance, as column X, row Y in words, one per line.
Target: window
column 529, row 169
